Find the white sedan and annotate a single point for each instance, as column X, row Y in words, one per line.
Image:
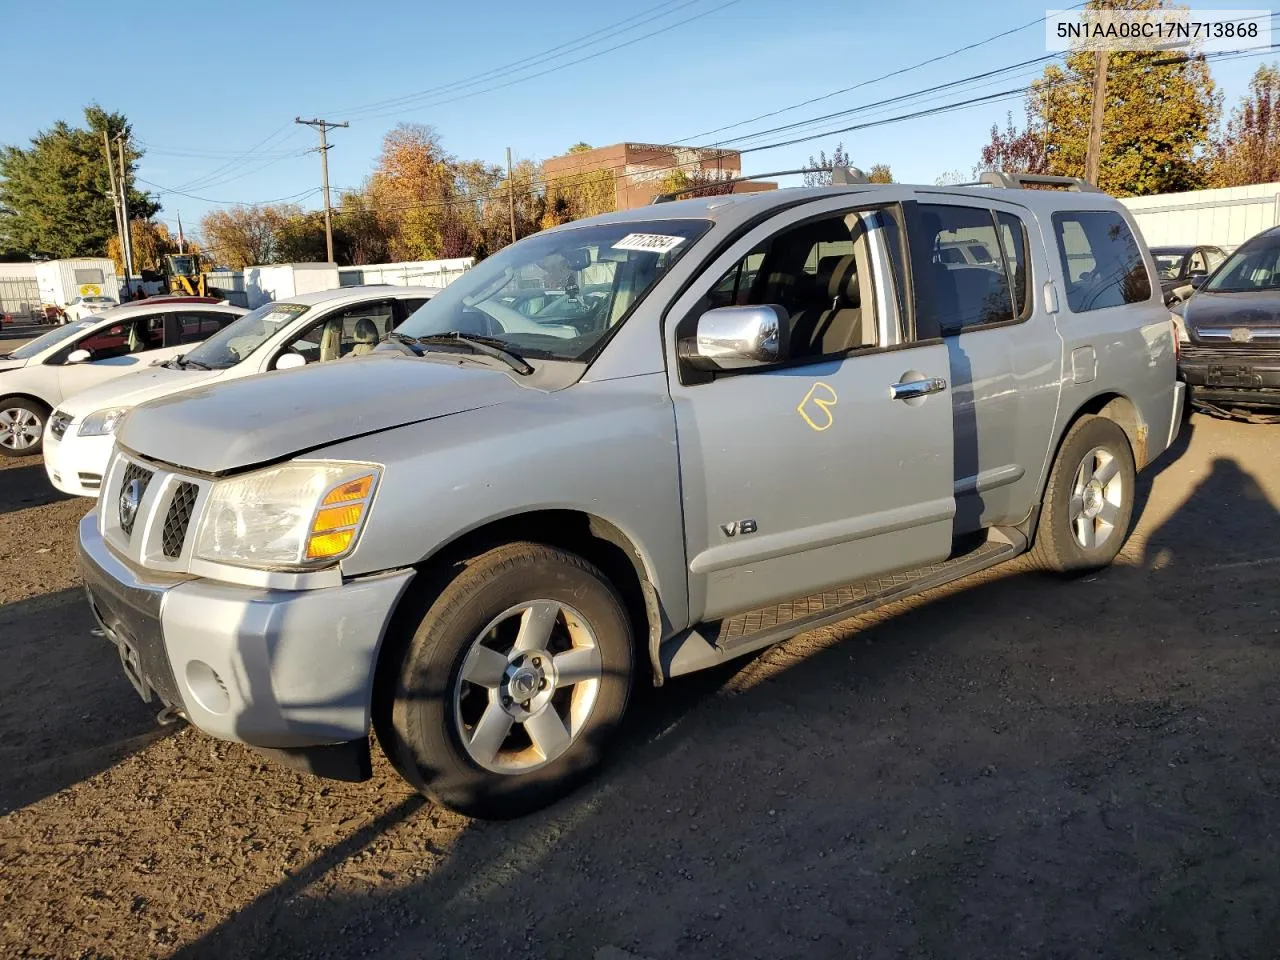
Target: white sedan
column 39, row 375
column 309, row 328
column 82, row 308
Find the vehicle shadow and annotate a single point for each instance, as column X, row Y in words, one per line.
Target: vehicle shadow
column 27, row 485
column 90, row 718
column 1005, row 766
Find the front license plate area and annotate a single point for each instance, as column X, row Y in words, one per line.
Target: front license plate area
column 133, row 668
column 1225, row 375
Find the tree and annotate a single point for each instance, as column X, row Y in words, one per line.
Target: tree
column 1248, row 150
column 880, row 173
column 585, row 193
column 365, row 234
column 1156, row 121
column 300, row 239
column 1013, row 150
column 55, row 196
column 151, row 244
column 951, row 178
column 243, row 236
column 818, row 177
column 530, row 201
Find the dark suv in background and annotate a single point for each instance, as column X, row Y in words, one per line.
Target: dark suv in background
column 1231, row 329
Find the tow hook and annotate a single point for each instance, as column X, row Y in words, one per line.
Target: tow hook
column 169, row 716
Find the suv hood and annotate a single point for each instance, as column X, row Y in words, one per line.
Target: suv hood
column 240, row 423
column 132, row 389
column 1254, row 309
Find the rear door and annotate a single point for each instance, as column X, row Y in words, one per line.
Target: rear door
column 1004, row 355
column 809, row 474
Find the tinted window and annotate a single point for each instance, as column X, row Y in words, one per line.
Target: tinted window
column 959, row 294
column 1255, row 266
column 1101, row 260
column 195, row 327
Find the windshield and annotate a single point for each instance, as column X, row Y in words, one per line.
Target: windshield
column 1169, row 265
column 237, row 340
column 1255, row 266
column 557, row 295
column 57, row 335
column 96, row 300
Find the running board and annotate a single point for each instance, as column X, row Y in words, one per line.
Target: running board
column 709, row 644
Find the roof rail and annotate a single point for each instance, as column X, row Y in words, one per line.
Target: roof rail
column 1017, row 181
column 841, row 176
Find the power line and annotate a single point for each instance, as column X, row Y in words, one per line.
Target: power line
column 569, row 46
column 866, row 83
column 900, row 118
column 231, row 203
column 558, row 67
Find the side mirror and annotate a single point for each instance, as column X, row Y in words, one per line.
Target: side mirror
column 79, row 356
column 291, row 360
column 736, row 338
column 1197, row 280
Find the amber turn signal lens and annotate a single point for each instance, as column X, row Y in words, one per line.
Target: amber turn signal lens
column 335, row 518
column 325, row 545
column 357, row 489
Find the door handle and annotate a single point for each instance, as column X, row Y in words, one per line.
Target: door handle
column 910, row 389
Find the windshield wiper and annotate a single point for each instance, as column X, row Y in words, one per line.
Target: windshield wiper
column 183, row 361
column 487, row 346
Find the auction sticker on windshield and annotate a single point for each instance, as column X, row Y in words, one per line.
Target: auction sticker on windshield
column 650, row 242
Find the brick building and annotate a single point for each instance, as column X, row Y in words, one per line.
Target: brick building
column 639, row 169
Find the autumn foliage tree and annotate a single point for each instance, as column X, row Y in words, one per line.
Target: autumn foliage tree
column 242, row 236
column 1015, row 151
column 1156, row 122
column 1249, row 149
column 152, row 242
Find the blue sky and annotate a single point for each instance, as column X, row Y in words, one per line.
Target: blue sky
column 216, row 111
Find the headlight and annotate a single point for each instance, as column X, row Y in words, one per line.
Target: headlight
column 102, row 422
column 299, row 514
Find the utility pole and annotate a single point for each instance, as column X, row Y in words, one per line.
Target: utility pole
column 511, row 197
column 182, row 241
column 124, row 214
column 322, row 127
column 1093, row 156
column 115, row 194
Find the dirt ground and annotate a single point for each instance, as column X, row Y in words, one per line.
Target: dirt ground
column 1011, row 766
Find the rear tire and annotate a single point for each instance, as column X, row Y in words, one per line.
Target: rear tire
column 510, row 684
column 22, row 427
column 1088, row 501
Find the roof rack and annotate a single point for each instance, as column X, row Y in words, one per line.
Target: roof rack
column 1018, row 181
column 840, row 176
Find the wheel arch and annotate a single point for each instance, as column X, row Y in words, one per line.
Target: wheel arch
column 19, row 395
column 597, row 540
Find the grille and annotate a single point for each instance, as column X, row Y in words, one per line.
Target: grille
column 128, row 514
column 58, row 424
column 178, row 519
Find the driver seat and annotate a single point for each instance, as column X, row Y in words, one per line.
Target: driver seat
column 366, row 337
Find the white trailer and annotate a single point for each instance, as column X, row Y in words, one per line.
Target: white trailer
column 62, row 281
column 1224, row 217
column 280, row 281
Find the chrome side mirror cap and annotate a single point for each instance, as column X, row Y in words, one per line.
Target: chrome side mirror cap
column 736, row 338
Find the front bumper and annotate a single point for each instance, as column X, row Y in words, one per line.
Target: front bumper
column 283, row 670
column 1231, row 374
column 76, row 464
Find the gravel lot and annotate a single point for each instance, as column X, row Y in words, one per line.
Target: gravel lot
column 1011, row 766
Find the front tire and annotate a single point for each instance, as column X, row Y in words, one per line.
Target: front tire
column 21, row 427
column 1088, row 501
column 511, row 683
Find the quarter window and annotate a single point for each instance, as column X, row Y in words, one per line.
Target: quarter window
column 1101, row 260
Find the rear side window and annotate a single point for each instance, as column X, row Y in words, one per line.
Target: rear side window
column 1013, row 242
column 959, row 294
column 1101, row 260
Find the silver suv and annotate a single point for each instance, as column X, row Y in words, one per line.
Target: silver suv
column 632, row 446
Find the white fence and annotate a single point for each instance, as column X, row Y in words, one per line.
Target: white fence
column 1224, row 217
column 248, row 289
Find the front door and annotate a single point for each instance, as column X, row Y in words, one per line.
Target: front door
column 810, row 474
column 114, row 350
